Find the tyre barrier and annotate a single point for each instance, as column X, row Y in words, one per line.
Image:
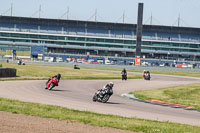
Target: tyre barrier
column 8, row 72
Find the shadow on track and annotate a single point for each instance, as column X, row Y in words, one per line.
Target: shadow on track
column 60, row 90
column 113, row 103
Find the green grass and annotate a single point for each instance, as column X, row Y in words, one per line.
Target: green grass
column 35, row 68
column 132, row 124
column 185, row 95
column 33, row 71
column 188, row 74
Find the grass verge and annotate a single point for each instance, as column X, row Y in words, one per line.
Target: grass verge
column 35, row 71
column 132, row 124
column 188, row 74
column 41, row 70
column 184, row 95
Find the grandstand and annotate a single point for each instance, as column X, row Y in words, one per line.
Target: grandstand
column 64, row 38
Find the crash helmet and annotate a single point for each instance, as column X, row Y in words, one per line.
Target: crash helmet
column 59, row 75
column 111, row 84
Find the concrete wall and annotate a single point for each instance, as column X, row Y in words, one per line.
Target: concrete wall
column 8, row 72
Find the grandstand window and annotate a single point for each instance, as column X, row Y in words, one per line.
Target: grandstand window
column 91, row 39
column 61, row 38
column 15, row 35
column 6, row 39
column 34, row 41
column 43, row 37
column 4, row 34
column 33, row 36
column 128, row 41
column 78, row 44
column 109, row 40
column 80, row 39
column 176, row 45
column 131, row 47
column 70, row 38
column 24, row 36
column 184, row 45
column 119, row 41
column 146, row 43
column 100, row 40
column 193, row 46
column 61, row 43
column 53, row 37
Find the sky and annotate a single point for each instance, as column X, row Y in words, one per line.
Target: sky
column 163, row 12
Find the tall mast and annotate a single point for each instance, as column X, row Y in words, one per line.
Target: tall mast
column 179, row 20
column 40, row 11
column 11, row 9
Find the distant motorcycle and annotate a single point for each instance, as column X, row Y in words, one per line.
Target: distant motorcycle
column 102, row 95
column 76, row 67
column 52, row 83
column 147, row 76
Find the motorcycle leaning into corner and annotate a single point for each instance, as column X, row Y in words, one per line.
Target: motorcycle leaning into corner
column 103, row 95
column 52, row 82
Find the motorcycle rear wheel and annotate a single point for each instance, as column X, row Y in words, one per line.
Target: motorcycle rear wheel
column 105, row 98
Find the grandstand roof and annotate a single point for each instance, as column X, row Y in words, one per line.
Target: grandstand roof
column 92, row 24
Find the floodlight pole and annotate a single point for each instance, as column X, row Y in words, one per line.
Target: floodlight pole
column 151, row 20
column 95, row 16
column 40, row 11
column 67, row 13
column 179, row 19
column 123, row 17
column 11, row 9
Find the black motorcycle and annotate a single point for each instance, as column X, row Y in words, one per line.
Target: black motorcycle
column 124, row 77
column 102, row 95
column 147, row 76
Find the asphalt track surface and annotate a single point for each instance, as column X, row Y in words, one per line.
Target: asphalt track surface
column 77, row 94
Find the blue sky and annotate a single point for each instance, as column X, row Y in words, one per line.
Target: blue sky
column 164, row 12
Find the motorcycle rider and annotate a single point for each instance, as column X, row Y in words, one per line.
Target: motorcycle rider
column 106, row 88
column 58, row 76
column 124, row 74
column 146, row 73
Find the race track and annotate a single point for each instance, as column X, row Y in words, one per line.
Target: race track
column 77, row 94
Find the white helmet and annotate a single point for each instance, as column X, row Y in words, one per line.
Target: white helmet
column 111, row 84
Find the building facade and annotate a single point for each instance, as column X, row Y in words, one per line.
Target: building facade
column 73, row 37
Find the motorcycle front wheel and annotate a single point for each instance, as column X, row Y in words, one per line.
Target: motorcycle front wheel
column 51, row 86
column 94, row 97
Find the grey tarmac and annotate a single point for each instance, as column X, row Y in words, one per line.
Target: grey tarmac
column 77, row 94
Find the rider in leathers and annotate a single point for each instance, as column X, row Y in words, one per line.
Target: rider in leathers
column 124, row 74
column 106, row 88
column 58, row 76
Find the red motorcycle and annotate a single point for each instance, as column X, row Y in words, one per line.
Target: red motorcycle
column 52, row 83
